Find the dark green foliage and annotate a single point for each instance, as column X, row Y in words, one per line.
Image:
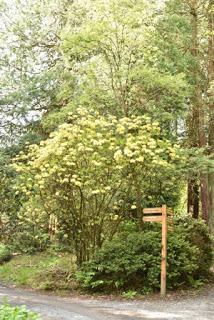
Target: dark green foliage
column 28, row 241
column 9, row 204
column 5, row 254
column 197, row 233
column 132, row 260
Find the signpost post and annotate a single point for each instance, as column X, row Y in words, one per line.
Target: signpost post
column 160, row 215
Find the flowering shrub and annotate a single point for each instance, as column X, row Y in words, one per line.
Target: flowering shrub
column 87, row 172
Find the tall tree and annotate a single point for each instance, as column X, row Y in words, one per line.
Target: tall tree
column 30, row 61
column 211, row 105
column 189, row 17
column 193, row 121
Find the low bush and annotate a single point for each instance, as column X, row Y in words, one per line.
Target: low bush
column 196, row 232
column 5, row 254
column 131, row 261
column 7, row 312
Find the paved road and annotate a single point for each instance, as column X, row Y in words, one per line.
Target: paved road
column 58, row 308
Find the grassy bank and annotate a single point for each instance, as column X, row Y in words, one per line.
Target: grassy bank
column 41, row 271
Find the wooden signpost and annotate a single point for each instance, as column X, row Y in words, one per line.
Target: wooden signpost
column 160, row 215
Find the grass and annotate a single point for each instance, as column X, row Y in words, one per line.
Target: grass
column 41, row 271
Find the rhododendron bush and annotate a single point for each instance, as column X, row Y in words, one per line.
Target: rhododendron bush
column 92, row 173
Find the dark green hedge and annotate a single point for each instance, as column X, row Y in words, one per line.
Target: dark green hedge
column 132, row 259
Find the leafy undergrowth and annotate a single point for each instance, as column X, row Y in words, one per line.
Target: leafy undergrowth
column 7, row 312
column 5, row 254
column 40, row 271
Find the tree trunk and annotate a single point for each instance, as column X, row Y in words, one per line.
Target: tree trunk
column 211, row 108
column 139, row 206
column 193, row 198
column 203, row 144
column 193, row 123
column 197, row 136
column 204, row 197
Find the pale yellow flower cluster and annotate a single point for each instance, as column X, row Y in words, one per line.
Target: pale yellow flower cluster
column 94, row 157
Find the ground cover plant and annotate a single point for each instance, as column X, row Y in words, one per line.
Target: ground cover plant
column 8, row 312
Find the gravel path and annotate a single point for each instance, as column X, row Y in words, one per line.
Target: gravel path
column 52, row 307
